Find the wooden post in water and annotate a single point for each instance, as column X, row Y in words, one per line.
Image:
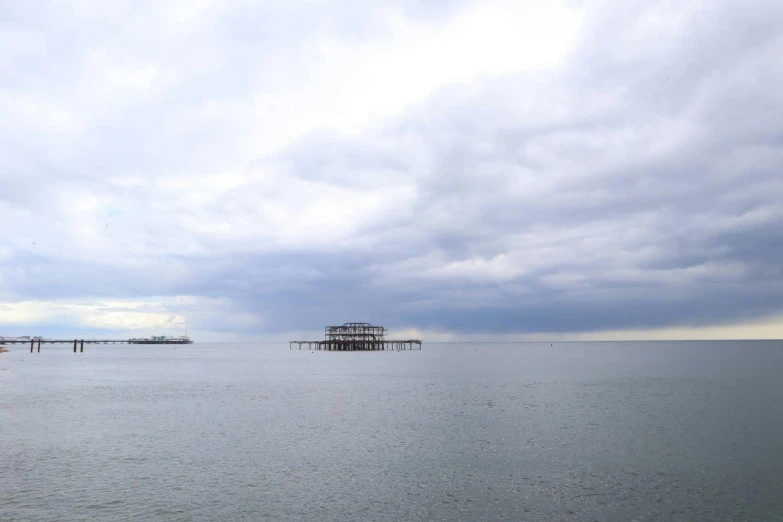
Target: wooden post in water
column 74, row 346
column 31, row 345
column 39, row 346
column 82, row 347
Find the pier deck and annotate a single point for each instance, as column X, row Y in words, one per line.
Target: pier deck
column 94, row 341
column 350, row 346
column 80, row 343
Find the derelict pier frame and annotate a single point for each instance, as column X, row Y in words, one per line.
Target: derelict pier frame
column 351, row 337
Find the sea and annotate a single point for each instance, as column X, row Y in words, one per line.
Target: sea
column 615, row 431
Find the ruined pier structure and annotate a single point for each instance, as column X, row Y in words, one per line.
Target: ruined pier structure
column 356, row 337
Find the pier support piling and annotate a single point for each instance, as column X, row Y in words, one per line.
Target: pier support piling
column 74, row 346
column 81, row 349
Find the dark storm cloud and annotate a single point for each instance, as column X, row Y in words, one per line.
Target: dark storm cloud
column 636, row 186
column 686, row 234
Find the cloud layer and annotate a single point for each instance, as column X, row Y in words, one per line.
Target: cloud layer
column 468, row 167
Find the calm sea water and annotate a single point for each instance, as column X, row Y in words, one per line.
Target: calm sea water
column 578, row 431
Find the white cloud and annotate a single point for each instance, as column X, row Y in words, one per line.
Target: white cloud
column 279, row 162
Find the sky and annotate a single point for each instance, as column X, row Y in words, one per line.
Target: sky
column 453, row 170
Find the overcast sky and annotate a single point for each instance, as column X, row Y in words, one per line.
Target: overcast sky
column 451, row 169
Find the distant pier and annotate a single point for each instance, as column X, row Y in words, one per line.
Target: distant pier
column 38, row 341
column 94, row 341
column 352, row 337
column 161, row 340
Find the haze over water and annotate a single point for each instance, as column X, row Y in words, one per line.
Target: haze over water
column 578, row 431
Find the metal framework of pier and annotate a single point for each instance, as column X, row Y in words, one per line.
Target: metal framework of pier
column 351, row 337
